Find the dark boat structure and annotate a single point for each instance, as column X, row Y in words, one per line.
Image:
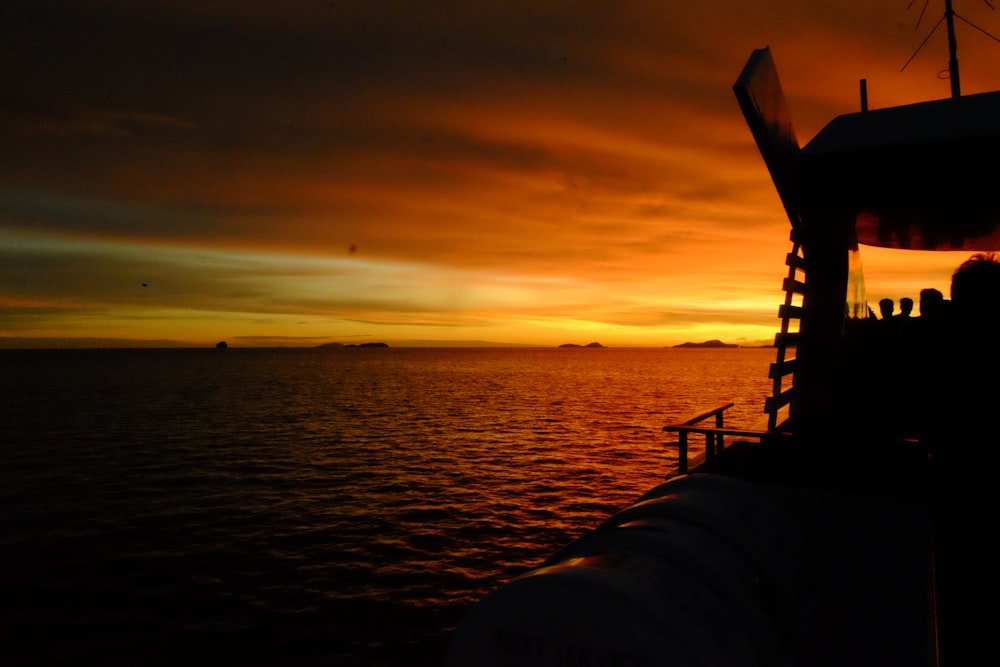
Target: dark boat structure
column 855, row 526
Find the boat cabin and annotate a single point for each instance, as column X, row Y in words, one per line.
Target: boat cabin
column 914, row 177
column 855, row 527
column 899, row 408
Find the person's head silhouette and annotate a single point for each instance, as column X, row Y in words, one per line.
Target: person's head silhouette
column 905, row 306
column 931, row 302
column 885, row 307
column 975, row 289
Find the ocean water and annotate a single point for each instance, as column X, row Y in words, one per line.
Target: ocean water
column 306, row 507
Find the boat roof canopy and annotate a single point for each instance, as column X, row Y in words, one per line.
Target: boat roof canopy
column 926, row 123
column 920, row 176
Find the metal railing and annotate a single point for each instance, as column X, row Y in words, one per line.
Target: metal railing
column 715, row 436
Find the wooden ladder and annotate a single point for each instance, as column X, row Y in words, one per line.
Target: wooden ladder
column 782, row 371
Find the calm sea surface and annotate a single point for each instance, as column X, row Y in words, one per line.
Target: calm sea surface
column 305, row 507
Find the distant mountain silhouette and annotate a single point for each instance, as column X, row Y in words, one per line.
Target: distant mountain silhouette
column 708, row 343
column 575, row 345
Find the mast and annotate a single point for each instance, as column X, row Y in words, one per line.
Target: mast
column 956, row 87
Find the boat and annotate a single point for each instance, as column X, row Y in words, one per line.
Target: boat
column 853, row 525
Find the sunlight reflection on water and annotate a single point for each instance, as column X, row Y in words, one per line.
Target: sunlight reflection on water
column 298, row 506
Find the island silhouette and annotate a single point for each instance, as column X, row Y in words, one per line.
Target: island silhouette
column 708, row 343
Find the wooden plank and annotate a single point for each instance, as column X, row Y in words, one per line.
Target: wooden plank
column 794, row 286
column 786, row 339
column 772, row 403
column 782, row 369
column 795, row 261
column 788, row 311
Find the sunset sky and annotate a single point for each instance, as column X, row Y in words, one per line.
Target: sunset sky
column 521, row 172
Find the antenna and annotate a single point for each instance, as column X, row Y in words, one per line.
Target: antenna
column 949, row 19
column 949, row 14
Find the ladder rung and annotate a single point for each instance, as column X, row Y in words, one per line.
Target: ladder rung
column 782, row 369
column 792, row 285
column 787, row 311
column 794, row 261
column 774, row 403
column 786, row 339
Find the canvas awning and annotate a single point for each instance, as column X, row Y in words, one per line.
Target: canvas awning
column 921, row 176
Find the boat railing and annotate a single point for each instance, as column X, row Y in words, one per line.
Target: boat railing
column 715, row 436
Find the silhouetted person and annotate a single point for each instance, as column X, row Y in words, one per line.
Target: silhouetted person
column 885, row 308
column 904, row 326
column 905, row 307
column 975, row 295
column 931, row 302
column 933, row 325
column 972, row 394
column 965, row 456
column 880, row 398
column 975, row 318
column 968, row 330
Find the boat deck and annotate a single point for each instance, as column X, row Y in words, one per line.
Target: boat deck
column 869, row 566
column 872, row 539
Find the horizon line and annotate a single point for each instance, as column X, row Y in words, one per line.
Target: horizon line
column 95, row 343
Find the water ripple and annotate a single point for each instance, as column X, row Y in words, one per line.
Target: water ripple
column 295, row 507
